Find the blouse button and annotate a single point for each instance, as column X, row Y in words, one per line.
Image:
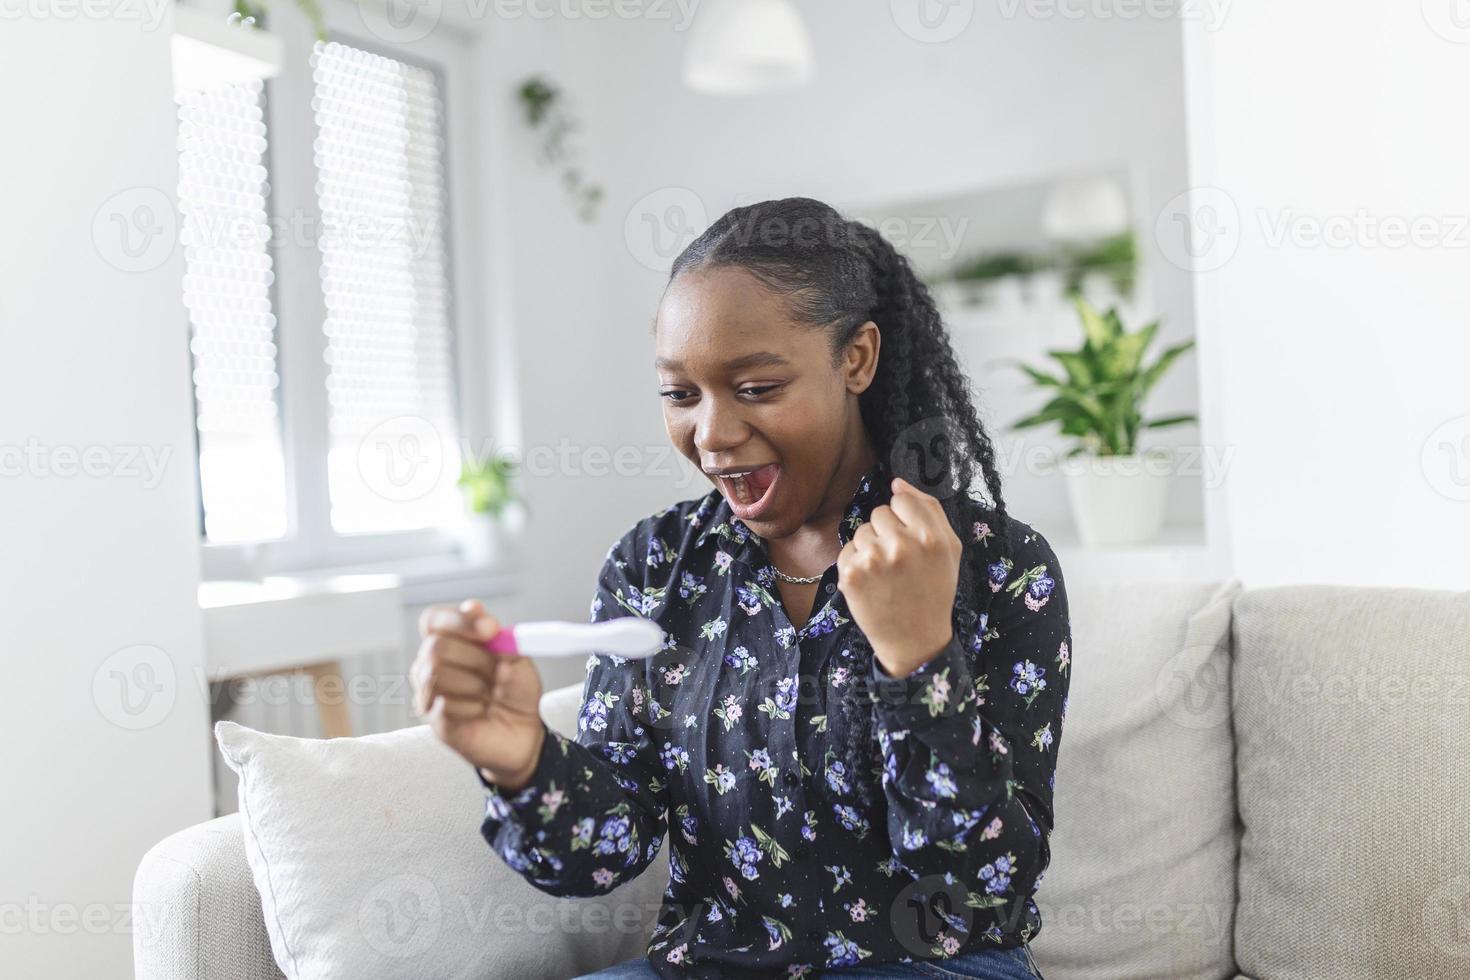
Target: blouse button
column 815, row 935
column 790, row 779
column 831, row 588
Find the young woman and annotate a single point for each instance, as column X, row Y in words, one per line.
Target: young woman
column 852, row 730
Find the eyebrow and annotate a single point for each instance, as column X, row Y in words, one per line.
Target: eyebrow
column 763, row 358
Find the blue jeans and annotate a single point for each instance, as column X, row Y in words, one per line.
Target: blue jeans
column 986, row 964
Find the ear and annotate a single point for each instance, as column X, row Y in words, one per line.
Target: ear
column 860, row 360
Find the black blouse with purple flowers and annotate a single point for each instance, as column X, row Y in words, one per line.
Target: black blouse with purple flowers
column 731, row 739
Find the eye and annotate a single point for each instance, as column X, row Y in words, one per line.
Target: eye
column 676, row 395
column 756, row 391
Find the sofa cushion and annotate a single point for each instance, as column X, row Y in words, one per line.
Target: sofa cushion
column 1142, row 876
column 369, row 862
column 1352, row 717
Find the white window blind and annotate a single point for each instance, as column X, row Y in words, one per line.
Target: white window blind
column 225, row 232
column 392, row 454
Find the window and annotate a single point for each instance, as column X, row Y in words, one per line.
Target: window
column 326, row 412
column 227, row 287
column 385, row 281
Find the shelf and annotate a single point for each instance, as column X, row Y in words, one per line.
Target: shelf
column 209, row 51
column 1181, row 552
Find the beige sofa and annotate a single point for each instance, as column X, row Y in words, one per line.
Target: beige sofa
column 1272, row 783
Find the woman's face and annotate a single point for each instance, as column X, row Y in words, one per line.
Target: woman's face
column 754, row 399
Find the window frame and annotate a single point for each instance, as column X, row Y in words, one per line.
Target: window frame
column 311, row 542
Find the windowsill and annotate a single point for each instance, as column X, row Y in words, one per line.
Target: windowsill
column 418, row 581
column 285, row 622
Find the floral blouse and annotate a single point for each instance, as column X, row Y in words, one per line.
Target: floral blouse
column 730, row 739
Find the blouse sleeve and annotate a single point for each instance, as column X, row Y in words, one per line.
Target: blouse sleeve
column 593, row 814
column 970, row 739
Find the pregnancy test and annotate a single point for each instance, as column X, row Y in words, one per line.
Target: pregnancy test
column 628, row 637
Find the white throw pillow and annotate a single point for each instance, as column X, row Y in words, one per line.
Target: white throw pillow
column 369, row 861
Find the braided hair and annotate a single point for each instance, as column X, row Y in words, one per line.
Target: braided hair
column 836, row 275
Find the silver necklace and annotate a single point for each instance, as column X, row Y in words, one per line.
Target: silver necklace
column 796, row 579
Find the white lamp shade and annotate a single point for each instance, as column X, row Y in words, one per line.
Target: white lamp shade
column 748, row 47
column 1084, row 209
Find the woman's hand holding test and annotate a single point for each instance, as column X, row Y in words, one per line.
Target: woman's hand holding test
column 485, row 707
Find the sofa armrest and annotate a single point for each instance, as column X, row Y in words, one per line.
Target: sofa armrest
column 196, row 912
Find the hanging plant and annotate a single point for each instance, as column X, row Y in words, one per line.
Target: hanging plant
column 547, row 115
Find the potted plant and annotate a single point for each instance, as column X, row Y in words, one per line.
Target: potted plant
column 488, row 498
column 1117, row 492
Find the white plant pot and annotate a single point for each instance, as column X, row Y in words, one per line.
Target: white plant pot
column 1118, row 500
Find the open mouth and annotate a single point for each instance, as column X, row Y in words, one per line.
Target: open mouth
column 749, row 491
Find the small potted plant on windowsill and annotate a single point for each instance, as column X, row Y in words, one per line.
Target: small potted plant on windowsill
column 490, row 501
column 1117, row 491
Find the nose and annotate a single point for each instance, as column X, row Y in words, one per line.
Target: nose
column 719, row 428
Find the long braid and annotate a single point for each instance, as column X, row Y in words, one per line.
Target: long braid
column 918, row 411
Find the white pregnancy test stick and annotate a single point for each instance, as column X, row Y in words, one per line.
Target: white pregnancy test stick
column 630, row 637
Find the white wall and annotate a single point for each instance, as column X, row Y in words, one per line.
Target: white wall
column 888, row 118
column 1344, row 364
column 96, row 360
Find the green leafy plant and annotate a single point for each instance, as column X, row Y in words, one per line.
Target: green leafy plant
column 1099, row 398
column 546, row 113
column 1115, row 257
column 255, row 14
column 487, row 485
